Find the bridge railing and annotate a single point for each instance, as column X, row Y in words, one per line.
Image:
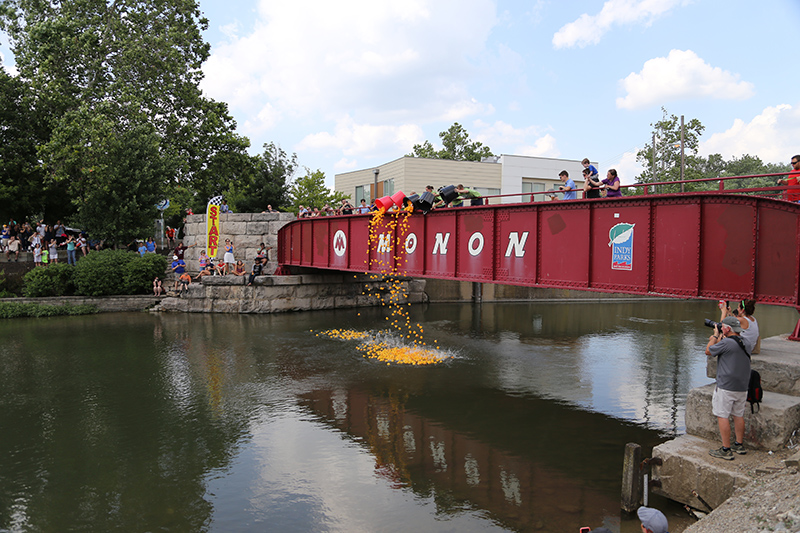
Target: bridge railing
column 637, row 189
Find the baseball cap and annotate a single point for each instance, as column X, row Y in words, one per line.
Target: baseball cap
column 733, row 322
column 653, row 519
column 175, row 257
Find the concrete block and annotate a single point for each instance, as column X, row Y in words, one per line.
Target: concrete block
column 767, row 429
column 287, row 280
column 323, row 302
column 687, row 466
column 195, row 219
column 264, row 217
column 258, row 228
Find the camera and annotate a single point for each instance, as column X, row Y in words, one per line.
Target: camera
column 711, row 324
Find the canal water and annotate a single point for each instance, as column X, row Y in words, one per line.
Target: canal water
column 178, row 422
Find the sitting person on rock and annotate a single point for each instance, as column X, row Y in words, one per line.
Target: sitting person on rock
column 258, row 267
column 185, row 280
column 238, row 268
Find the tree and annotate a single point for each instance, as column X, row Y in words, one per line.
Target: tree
column 310, row 191
column 118, row 173
column 668, row 151
column 456, row 146
column 138, row 64
column 267, row 183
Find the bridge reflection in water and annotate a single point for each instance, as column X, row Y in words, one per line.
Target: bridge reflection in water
column 514, row 458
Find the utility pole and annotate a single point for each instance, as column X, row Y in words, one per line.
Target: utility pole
column 683, row 160
column 654, row 158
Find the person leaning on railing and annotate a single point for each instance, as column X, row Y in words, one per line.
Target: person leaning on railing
column 612, row 184
column 792, row 179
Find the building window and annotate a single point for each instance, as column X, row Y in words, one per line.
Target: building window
column 360, row 195
column 388, row 187
column 529, row 187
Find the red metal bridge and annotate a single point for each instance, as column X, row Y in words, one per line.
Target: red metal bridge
column 717, row 244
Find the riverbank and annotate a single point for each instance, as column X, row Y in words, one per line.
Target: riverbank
column 104, row 304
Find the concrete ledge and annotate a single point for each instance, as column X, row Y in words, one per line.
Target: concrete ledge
column 767, row 429
column 104, row 304
column 687, row 466
column 778, row 363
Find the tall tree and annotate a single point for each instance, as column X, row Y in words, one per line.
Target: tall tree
column 268, row 181
column 662, row 162
column 310, row 191
column 455, row 145
column 135, row 62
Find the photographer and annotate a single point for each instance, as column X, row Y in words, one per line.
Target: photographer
column 744, row 312
column 733, row 378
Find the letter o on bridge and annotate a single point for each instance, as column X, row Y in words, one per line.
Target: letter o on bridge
column 411, row 243
column 476, row 243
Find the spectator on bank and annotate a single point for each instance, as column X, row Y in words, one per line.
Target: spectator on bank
column 569, row 186
column 12, row 248
column 45, row 255
column 185, row 280
column 269, row 209
column 228, row 258
column 70, row 243
column 180, row 249
column 744, row 313
column 653, row 520
column 238, row 268
column 733, row 379
column 206, row 270
column 142, row 248
column 203, row 260
column 612, row 184
column 53, row 251
column 5, row 235
column 178, row 267
column 263, row 250
column 82, row 244
column 151, row 245
column 258, row 268
column 170, row 233
column 158, row 288
column 37, row 254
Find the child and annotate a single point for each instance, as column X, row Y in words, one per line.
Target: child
column 45, row 255
column 157, row 288
column 37, row 254
column 185, row 280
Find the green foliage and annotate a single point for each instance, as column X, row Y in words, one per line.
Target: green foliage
column 53, row 280
column 140, row 272
column 455, row 145
column 667, row 167
column 108, row 111
column 9, row 286
column 267, row 183
column 20, row 310
column 310, row 191
column 102, row 273
column 117, row 168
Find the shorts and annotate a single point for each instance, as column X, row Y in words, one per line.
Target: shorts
column 184, row 283
column 725, row 403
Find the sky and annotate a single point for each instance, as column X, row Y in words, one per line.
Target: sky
column 353, row 84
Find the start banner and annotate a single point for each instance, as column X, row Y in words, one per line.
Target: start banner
column 212, row 226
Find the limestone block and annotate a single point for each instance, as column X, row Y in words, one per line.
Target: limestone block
column 416, row 285
column 275, row 226
column 233, row 229
column 323, row 302
column 212, row 281
column 258, row 228
column 254, row 305
column 224, row 306
column 343, row 302
column 767, row 429
column 195, row 219
column 417, row 298
column 287, row 280
column 263, row 217
column 240, row 217
column 687, row 467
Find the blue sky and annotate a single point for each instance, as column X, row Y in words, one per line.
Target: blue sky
column 353, row 84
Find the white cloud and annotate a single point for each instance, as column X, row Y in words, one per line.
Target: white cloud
column 353, row 139
column 772, row 136
column 9, row 67
column 681, row 75
column 626, row 166
column 589, row 29
column 398, row 60
column 505, row 138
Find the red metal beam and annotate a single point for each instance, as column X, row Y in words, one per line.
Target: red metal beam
column 704, row 245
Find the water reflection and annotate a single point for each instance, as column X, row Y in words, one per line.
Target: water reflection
column 234, row 423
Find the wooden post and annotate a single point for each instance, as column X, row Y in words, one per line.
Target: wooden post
column 477, row 292
column 631, row 477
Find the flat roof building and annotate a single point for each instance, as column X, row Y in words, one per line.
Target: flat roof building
column 515, row 175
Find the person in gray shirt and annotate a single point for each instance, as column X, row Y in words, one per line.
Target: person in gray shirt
column 733, row 378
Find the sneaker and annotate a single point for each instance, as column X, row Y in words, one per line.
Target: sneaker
column 721, row 454
column 738, row 448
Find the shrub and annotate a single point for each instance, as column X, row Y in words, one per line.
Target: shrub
column 53, row 280
column 9, row 286
column 102, row 273
column 19, row 310
column 140, row 272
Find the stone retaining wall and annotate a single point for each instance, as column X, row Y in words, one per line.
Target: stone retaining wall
column 245, row 230
column 105, row 304
column 277, row 294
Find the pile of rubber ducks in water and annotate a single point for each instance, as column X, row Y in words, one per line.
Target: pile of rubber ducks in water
column 388, row 351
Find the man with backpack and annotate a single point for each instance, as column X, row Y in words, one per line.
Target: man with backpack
column 733, row 379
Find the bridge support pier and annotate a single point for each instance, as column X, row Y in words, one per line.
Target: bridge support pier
column 477, row 292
